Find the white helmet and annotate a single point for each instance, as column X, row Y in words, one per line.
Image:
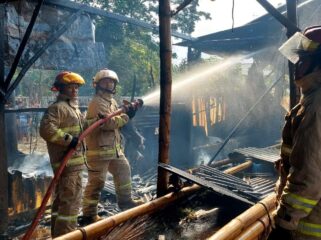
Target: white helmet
column 105, row 73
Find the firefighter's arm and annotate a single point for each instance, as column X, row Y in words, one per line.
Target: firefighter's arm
column 49, row 127
column 115, row 122
column 282, row 165
column 97, row 110
column 302, row 191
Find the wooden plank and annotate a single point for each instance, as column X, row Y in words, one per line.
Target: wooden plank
column 165, row 52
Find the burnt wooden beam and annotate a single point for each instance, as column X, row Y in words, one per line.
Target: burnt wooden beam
column 165, row 93
column 278, row 16
column 3, row 150
column 23, row 43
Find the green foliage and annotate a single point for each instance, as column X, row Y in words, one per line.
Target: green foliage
column 132, row 51
column 185, row 20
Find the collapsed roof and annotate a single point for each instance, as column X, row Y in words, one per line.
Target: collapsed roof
column 260, row 33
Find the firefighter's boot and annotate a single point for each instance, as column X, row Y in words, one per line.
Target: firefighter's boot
column 86, row 220
column 124, row 205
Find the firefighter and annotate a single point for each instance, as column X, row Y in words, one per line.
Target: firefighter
column 60, row 127
column 299, row 211
column 105, row 153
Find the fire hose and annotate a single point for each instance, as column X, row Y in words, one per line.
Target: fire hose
column 123, row 109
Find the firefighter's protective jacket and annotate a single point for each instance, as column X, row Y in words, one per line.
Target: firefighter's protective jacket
column 300, row 207
column 105, row 142
column 60, row 123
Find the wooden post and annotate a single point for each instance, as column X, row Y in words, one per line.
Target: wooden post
column 294, row 91
column 3, row 149
column 291, row 24
column 165, row 92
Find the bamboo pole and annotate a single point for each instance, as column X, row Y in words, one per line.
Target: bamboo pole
column 238, row 168
column 257, row 228
column 102, row 227
column 235, row 227
column 165, row 52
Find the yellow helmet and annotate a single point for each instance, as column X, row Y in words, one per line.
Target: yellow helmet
column 66, row 77
column 105, row 73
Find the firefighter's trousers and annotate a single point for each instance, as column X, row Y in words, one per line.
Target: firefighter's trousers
column 66, row 203
column 97, row 172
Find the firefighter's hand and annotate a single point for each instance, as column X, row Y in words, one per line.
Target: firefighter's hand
column 74, row 142
column 279, row 233
column 131, row 111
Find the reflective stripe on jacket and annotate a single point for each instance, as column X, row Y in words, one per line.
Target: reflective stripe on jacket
column 105, row 142
column 300, row 207
column 60, row 123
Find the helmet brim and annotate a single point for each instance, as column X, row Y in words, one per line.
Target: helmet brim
column 298, row 45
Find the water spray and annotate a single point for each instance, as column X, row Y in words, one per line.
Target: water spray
column 153, row 98
column 236, row 127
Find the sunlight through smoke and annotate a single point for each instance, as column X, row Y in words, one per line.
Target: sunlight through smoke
column 199, row 75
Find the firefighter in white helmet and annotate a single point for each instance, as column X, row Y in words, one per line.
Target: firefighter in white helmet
column 298, row 215
column 60, row 127
column 105, row 153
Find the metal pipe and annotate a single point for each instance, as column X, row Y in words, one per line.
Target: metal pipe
column 165, row 52
column 234, row 228
column 3, row 148
column 294, row 90
column 102, row 227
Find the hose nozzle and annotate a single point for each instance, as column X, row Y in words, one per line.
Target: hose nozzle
column 138, row 103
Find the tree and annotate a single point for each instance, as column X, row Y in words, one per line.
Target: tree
column 131, row 50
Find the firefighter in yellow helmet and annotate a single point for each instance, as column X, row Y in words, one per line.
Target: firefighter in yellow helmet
column 105, row 153
column 60, row 127
column 298, row 215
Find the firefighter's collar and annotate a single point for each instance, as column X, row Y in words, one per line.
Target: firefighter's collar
column 106, row 95
column 309, row 82
column 73, row 102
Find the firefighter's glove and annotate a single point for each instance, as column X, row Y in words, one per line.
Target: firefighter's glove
column 279, row 233
column 101, row 116
column 131, row 111
column 74, row 142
